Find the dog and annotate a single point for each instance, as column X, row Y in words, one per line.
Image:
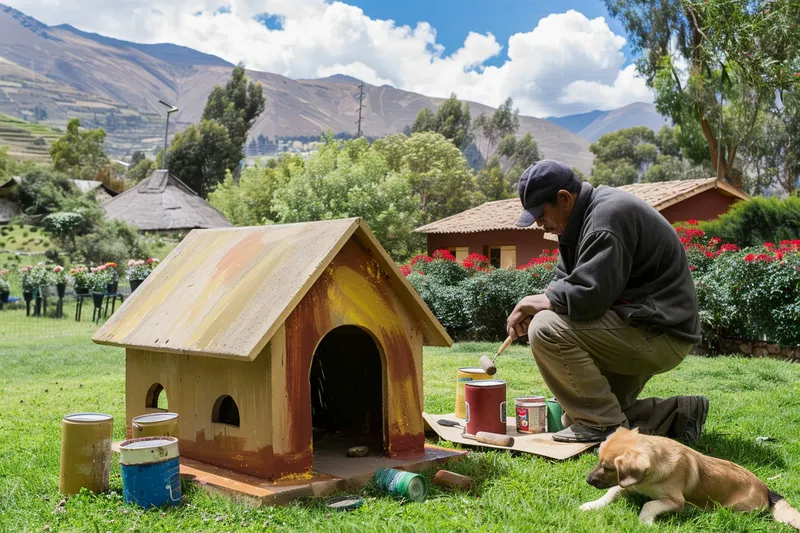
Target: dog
column 672, row 475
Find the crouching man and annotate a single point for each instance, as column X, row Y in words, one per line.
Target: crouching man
column 622, row 308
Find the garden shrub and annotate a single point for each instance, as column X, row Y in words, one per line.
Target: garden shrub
column 756, row 221
column 749, row 294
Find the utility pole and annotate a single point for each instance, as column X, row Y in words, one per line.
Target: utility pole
column 360, row 107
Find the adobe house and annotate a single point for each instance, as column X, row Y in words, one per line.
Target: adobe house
column 279, row 346
column 489, row 228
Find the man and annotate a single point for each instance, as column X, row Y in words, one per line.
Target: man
column 622, row 308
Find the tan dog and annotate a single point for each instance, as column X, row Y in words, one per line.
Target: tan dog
column 673, row 474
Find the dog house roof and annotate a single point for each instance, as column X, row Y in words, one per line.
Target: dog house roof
column 224, row 292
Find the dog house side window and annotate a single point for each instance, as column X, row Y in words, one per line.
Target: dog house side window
column 225, row 411
column 156, row 397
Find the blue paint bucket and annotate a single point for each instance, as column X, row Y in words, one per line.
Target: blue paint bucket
column 151, row 471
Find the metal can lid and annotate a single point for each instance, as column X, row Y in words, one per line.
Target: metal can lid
column 531, row 404
column 153, row 418
column 472, row 370
column 345, row 503
column 486, row 383
column 530, row 399
column 147, row 442
column 88, row 417
column 148, row 450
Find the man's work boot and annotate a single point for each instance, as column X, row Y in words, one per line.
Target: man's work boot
column 690, row 418
column 578, row 432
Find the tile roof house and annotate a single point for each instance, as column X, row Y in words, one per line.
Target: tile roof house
column 489, row 228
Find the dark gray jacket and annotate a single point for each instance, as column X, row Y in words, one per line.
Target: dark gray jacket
column 619, row 253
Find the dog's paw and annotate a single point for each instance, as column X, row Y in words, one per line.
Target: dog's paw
column 647, row 520
column 592, row 506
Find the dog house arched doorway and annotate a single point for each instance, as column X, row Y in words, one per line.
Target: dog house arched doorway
column 347, row 388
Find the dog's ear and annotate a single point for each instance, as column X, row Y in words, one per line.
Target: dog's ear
column 631, row 468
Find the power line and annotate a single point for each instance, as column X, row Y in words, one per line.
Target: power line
column 360, row 107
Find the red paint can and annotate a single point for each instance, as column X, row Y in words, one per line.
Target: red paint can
column 485, row 402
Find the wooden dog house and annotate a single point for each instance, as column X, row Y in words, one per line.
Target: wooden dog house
column 275, row 343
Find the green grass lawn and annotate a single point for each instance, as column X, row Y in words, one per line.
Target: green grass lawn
column 43, row 379
column 17, row 238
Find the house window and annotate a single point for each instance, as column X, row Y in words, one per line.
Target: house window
column 225, row 411
column 494, row 256
column 502, row 256
column 508, row 257
column 460, row 252
column 156, row 397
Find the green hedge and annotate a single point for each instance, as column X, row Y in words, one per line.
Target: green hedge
column 749, row 294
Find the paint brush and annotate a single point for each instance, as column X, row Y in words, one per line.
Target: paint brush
column 482, row 436
column 488, row 364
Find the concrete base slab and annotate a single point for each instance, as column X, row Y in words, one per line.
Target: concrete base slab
column 333, row 472
column 539, row 444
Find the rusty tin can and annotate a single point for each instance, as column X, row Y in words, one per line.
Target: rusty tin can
column 463, row 376
column 531, row 414
column 85, row 452
column 485, row 405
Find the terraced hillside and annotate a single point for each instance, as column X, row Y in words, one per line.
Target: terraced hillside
column 25, row 140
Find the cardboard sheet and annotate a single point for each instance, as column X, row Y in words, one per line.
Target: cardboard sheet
column 539, row 444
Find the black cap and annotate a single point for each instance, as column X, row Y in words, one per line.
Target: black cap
column 539, row 183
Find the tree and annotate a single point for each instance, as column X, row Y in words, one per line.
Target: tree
column 140, row 171
column 637, row 154
column 353, row 179
column 501, row 124
column 137, row 157
column 79, row 153
column 493, row 182
column 439, row 174
column 43, row 191
column 236, row 107
column 771, row 156
column 738, row 52
column 521, row 153
column 452, row 120
column 201, row 155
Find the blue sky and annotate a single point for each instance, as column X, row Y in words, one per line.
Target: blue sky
column 454, row 19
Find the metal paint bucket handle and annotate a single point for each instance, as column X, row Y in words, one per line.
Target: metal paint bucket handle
column 169, row 488
column 137, row 426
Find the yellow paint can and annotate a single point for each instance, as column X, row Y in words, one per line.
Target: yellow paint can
column 85, row 452
column 155, row 425
column 465, row 375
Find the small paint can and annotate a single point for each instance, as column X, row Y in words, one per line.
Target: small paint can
column 150, row 471
column 464, row 376
column 85, row 452
column 531, row 414
column 485, row 404
column 155, row 425
column 402, row 484
column 554, row 413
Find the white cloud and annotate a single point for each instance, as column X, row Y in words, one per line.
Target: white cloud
column 566, row 64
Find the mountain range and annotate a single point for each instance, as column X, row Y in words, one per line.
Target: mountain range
column 51, row 74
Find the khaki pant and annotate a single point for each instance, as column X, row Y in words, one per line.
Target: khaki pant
column 597, row 368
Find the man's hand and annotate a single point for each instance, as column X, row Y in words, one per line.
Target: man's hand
column 520, row 317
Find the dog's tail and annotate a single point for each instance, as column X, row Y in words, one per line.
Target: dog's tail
column 782, row 511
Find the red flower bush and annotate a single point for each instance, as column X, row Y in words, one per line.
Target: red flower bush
column 444, row 254
column 476, row 262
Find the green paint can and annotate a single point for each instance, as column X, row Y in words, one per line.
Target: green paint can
column 401, row 484
column 554, row 413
